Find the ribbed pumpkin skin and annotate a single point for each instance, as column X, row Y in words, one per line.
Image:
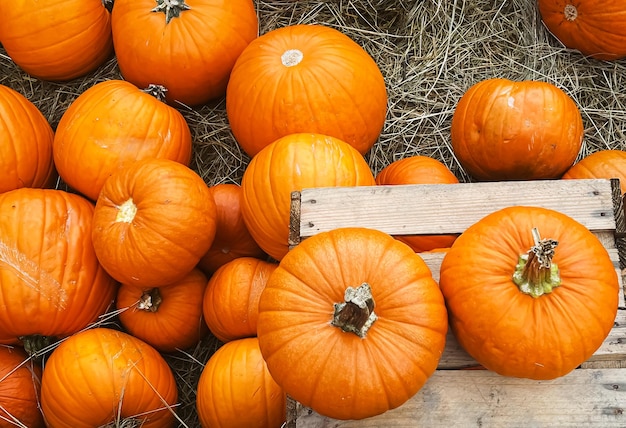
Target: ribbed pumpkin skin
column 19, row 389
column 177, row 322
column 88, row 374
column 419, row 170
column 159, row 243
column 26, row 148
column 56, row 39
column 192, row 55
column 231, row 301
column 235, row 389
column 232, row 239
column 339, row 374
column 508, row 130
column 513, row 333
column 601, row 164
column 337, row 89
column 51, row 283
column 292, row 163
column 111, row 125
column 595, row 28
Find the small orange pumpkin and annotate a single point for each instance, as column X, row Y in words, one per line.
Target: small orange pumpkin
column 102, row 376
column 601, row 164
column 235, row 389
column 232, row 238
column 531, row 292
column 231, row 301
column 305, row 78
column 111, row 125
column 20, row 386
column 168, row 318
column 508, row 130
column 292, row 163
column 146, row 222
column 56, row 39
column 594, row 28
column 351, row 323
column 26, row 148
column 419, row 170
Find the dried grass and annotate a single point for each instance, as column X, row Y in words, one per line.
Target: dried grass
column 430, row 53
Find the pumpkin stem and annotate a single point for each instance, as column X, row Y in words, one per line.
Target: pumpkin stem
column 570, row 12
column 157, row 91
column 535, row 274
column 108, row 5
column 126, row 212
column 37, row 345
column 171, row 8
column 356, row 314
column 150, row 300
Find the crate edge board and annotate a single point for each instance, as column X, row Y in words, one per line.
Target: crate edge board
column 465, row 203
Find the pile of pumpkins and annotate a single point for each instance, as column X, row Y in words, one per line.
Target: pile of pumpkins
column 349, row 322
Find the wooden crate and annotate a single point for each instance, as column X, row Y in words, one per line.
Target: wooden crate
column 592, row 395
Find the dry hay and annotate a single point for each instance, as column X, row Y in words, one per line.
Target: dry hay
column 430, row 53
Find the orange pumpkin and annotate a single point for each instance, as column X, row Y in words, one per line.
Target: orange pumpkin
column 187, row 46
column 26, row 148
column 56, row 39
column 147, row 219
column 419, row 170
column 231, row 301
column 111, row 125
column 531, row 292
column 597, row 29
column 168, row 318
column 235, row 390
column 305, row 78
column 51, row 283
column 601, row 164
column 20, row 384
column 232, row 239
column 102, row 376
column 351, row 323
column 292, row 163
column 508, row 130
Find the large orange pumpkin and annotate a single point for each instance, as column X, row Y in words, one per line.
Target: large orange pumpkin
column 147, row 219
column 419, row 170
column 305, row 78
column 508, row 130
column 111, row 125
column 25, row 143
column 168, row 318
column 20, row 385
column 352, row 323
column 594, row 28
column 56, row 39
column 292, row 163
column 51, row 283
column 102, row 376
column 232, row 238
column 235, row 389
column 231, row 300
column 601, row 164
column 531, row 292
column 187, row 46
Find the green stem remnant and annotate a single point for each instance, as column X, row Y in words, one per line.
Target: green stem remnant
column 355, row 315
column 535, row 274
column 150, row 300
column 37, row 345
column 171, row 8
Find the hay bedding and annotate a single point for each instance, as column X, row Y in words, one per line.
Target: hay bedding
column 430, row 52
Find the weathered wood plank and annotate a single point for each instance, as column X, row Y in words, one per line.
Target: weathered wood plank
column 447, row 208
column 480, row 398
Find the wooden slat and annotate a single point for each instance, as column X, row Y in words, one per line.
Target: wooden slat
column 446, row 208
column 480, row 398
